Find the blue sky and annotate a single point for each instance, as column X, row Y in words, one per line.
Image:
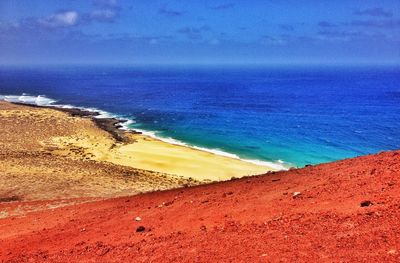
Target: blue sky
column 199, row 32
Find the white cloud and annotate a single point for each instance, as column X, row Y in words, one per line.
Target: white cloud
column 62, row 19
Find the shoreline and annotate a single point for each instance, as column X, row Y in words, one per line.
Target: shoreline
column 110, row 125
column 115, row 127
column 113, row 144
column 42, row 158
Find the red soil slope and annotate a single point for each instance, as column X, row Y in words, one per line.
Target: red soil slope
column 253, row 219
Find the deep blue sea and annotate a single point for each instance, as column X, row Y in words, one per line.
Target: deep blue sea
column 298, row 115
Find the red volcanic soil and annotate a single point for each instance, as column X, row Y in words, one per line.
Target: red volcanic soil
column 346, row 211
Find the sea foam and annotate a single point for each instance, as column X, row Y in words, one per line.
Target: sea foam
column 40, row 100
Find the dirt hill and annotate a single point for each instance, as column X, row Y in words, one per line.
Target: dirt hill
column 346, row 211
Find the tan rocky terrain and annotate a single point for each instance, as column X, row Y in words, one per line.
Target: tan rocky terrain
column 31, row 170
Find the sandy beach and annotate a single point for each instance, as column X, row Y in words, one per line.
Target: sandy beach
column 133, row 149
column 48, row 153
column 143, row 152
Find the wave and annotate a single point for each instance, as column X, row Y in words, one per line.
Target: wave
column 42, row 100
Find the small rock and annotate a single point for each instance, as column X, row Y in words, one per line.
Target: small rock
column 138, row 218
column 169, row 203
column 226, row 194
column 140, row 229
column 366, row 203
column 296, row 194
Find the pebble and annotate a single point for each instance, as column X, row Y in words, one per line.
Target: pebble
column 138, row 218
column 365, row 203
column 296, row 194
column 140, row 229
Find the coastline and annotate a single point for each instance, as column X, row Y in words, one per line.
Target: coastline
column 137, row 150
column 110, row 125
column 117, row 126
column 34, row 167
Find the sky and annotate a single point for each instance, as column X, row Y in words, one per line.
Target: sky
column 199, row 32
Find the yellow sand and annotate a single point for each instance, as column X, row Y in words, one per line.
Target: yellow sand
column 156, row 155
column 152, row 154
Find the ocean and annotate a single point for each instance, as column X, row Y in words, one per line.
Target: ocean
column 291, row 116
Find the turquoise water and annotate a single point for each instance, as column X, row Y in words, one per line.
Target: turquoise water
column 295, row 115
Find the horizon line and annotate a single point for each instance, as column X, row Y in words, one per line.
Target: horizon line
column 119, row 64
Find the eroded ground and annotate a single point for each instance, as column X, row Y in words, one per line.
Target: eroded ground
column 31, row 169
